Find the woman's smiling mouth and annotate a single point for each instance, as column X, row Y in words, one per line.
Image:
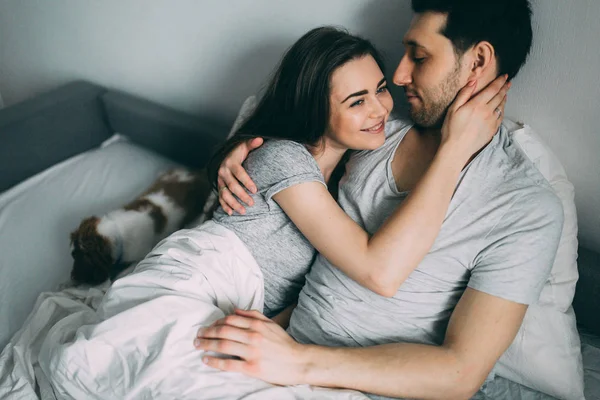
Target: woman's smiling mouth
column 376, row 128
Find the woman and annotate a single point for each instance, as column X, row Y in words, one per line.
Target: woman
column 328, row 95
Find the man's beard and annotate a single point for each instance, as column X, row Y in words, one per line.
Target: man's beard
column 436, row 101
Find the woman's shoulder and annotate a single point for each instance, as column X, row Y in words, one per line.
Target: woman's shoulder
column 284, row 145
column 281, row 162
column 280, row 151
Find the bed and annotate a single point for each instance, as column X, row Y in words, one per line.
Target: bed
column 83, row 149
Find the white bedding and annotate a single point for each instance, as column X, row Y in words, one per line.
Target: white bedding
column 22, row 379
column 161, row 330
column 135, row 342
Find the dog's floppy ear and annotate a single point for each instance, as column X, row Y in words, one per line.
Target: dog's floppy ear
column 91, row 254
column 86, row 227
column 88, row 272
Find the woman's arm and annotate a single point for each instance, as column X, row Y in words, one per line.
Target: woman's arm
column 382, row 262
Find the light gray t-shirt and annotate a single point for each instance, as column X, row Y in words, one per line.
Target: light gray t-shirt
column 282, row 252
column 499, row 236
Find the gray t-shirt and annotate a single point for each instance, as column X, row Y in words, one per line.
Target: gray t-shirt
column 499, row 236
column 282, row 252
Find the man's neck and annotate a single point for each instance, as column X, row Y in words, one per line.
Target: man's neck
column 431, row 135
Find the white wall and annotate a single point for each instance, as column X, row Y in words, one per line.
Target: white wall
column 206, row 56
column 189, row 54
column 558, row 94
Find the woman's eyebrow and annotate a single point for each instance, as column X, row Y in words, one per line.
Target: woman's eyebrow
column 362, row 92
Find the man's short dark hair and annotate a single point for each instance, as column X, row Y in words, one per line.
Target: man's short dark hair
column 506, row 24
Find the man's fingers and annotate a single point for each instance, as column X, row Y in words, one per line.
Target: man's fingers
column 224, row 332
column 241, row 319
column 227, row 333
column 225, row 364
column 252, row 314
column 237, row 321
column 261, row 321
column 233, row 327
column 238, row 327
column 490, row 91
column 229, row 347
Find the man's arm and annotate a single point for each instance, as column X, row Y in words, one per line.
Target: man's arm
column 480, row 330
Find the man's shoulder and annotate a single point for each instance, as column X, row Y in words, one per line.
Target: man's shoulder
column 506, row 163
column 542, row 201
column 529, row 194
column 505, row 177
column 526, row 153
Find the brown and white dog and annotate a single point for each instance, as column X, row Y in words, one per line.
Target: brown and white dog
column 103, row 246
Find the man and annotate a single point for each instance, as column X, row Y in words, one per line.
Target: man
column 442, row 333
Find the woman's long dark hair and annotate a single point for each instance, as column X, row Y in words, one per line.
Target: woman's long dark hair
column 295, row 105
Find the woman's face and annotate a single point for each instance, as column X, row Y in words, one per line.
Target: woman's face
column 360, row 105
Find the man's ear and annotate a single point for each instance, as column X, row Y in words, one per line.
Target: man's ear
column 483, row 61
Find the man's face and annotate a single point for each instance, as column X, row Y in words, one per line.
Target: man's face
column 430, row 71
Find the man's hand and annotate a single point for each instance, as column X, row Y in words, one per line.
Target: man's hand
column 232, row 176
column 265, row 350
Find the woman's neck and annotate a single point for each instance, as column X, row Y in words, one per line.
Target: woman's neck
column 327, row 155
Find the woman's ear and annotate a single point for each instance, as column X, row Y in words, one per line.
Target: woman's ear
column 483, row 61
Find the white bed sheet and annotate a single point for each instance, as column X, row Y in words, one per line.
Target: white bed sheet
column 37, row 352
column 21, row 378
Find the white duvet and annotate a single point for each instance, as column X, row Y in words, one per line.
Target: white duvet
column 135, row 342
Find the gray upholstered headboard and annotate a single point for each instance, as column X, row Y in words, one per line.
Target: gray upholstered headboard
column 54, row 126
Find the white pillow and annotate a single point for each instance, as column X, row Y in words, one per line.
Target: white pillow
column 546, row 354
column 247, row 108
column 37, row 216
